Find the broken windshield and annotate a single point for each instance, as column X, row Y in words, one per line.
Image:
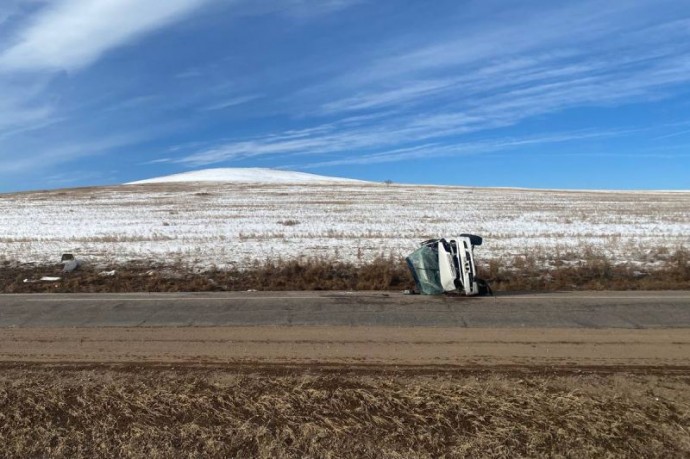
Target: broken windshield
column 423, row 263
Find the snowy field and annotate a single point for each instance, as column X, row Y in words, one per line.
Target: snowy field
column 226, row 224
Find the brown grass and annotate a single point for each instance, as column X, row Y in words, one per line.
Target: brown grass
column 521, row 273
column 592, row 272
column 156, row 413
column 310, row 274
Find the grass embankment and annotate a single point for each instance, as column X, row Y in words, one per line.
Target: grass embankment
column 138, row 412
column 520, row 273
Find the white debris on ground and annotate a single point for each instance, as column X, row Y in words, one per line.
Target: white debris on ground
column 232, row 224
column 43, row 279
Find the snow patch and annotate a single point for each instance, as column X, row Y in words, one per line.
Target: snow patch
column 247, row 175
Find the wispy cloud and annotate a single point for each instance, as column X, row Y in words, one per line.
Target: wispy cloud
column 46, row 48
column 159, row 161
column 561, row 29
column 401, row 93
column 412, row 134
column 682, row 132
column 295, row 9
column 64, row 35
column 480, row 80
column 22, row 104
column 455, row 73
column 306, row 9
column 475, row 83
column 435, row 150
column 190, row 73
column 232, row 102
column 70, row 34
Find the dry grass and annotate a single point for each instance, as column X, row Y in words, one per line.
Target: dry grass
column 592, row 272
column 215, row 413
column 306, row 274
column 520, row 273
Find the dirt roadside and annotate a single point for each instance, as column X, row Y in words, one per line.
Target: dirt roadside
column 352, row 346
column 335, row 391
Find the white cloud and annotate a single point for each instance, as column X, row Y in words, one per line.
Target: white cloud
column 361, row 139
column 295, row 9
column 64, row 35
column 399, row 94
column 395, row 100
column 433, row 150
column 227, row 103
column 309, row 8
column 70, row 34
column 158, row 161
column 482, row 77
column 621, row 66
column 560, row 29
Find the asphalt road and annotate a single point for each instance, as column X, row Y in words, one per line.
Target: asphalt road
column 631, row 310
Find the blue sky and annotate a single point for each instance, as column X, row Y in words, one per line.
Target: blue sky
column 582, row 94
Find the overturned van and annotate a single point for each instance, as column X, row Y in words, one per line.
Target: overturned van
column 447, row 265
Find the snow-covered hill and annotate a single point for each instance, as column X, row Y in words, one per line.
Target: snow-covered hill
column 247, row 175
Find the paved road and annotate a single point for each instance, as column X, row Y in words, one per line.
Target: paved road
column 633, row 310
